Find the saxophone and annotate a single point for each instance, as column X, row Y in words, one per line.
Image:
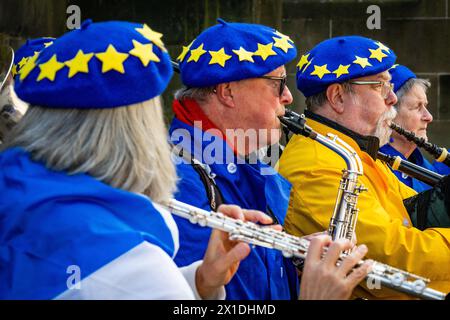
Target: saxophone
column 296, row 247
column 345, row 213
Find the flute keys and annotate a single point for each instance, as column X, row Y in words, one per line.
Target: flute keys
column 397, row 279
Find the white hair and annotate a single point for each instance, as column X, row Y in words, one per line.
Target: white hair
column 125, row 147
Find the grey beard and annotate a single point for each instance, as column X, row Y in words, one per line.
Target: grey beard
column 382, row 131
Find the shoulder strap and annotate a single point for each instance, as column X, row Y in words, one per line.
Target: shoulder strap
column 214, row 194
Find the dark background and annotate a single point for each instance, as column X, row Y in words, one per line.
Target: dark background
column 417, row 30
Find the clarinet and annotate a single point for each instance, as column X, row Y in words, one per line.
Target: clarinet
column 296, row 124
column 440, row 154
column 413, row 170
column 292, row 246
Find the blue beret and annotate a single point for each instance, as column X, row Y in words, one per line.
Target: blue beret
column 233, row 51
column 29, row 49
column 100, row 65
column 400, row 74
column 340, row 59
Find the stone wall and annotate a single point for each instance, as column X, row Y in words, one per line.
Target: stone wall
column 417, row 30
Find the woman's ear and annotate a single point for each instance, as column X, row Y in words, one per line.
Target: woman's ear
column 335, row 96
column 224, row 93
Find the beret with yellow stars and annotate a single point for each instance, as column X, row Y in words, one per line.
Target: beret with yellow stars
column 400, row 74
column 233, row 51
column 340, row 59
column 101, row 65
column 29, row 49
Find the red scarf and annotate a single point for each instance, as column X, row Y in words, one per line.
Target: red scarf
column 189, row 111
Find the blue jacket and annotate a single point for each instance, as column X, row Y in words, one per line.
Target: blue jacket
column 264, row 274
column 50, row 220
column 420, row 160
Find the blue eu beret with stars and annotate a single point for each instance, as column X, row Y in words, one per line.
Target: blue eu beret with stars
column 101, row 65
column 400, row 74
column 233, row 51
column 29, row 49
column 340, row 59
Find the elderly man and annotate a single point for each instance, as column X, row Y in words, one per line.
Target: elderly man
column 235, row 90
column 83, row 173
column 414, row 116
column 348, row 93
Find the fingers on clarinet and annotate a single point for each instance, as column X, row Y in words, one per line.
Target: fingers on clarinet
column 315, row 248
column 352, row 259
column 335, row 250
column 231, row 211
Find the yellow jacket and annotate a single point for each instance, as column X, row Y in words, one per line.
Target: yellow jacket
column 383, row 222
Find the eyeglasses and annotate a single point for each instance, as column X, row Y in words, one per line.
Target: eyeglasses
column 386, row 86
column 282, row 82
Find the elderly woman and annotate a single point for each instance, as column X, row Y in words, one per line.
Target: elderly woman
column 413, row 115
column 83, row 171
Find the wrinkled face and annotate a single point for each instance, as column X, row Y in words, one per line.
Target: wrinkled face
column 371, row 107
column 258, row 106
column 413, row 114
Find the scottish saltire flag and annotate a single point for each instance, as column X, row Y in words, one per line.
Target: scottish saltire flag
column 57, row 230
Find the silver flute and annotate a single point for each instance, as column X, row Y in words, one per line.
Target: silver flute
column 292, row 246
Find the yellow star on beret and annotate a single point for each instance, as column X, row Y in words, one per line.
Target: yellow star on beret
column 144, row 52
column 28, row 66
column 382, row 46
column 307, row 65
column 265, row 51
column 219, row 57
column 282, row 43
column 341, row 70
column 363, row 62
column 79, row 63
column 50, row 68
column 303, row 61
column 244, row 55
column 279, row 34
column 14, row 70
column 151, row 35
column 185, row 51
column 112, row 59
column 196, row 53
column 320, row 71
column 22, row 62
column 377, row 54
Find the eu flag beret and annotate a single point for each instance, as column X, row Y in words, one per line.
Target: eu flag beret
column 100, row 65
column 233, row 51
column 400, row 74
column 340, row 59
column 29, row 49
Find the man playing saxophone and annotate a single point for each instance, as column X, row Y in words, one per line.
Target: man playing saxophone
column 348, row 93
column 412, row 115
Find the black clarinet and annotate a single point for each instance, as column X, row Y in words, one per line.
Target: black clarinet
column 296, row 124
column 440, row 154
